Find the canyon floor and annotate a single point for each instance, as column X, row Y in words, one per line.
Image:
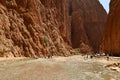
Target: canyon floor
column 58, row 68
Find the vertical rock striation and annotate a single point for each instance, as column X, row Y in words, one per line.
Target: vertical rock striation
column 34, row 28
column 88, row 20
column 111, row 41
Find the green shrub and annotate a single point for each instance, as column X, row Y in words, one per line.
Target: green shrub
column 77, row 53
column 2, row 51
column 46, row 40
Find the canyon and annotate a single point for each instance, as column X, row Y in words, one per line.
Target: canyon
column 77, row 35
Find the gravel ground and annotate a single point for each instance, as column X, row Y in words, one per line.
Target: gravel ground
column 58, row 68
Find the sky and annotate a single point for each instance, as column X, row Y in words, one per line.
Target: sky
column 105, row 4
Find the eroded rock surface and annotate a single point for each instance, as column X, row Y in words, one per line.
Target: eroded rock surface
column 111, row 42
column 34, row 28
column 88, row 20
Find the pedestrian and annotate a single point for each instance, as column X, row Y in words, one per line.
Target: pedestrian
column 91, row 56
column 108, row 57
column 49, row 55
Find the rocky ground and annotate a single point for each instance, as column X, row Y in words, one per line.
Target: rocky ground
column 58, row 68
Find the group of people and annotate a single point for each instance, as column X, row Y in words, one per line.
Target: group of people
column 97, row 55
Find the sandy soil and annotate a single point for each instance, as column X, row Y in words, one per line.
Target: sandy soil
column 58, row 68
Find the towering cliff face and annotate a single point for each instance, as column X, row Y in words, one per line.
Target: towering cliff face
column 111, row 41
column 88, row 19
column 34, row 27
column 59, row 12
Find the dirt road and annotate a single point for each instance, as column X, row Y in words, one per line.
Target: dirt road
column 57, row 68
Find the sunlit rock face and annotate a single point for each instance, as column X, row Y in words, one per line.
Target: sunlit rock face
column 88, row 18
column 34, row 28
column 111, row 41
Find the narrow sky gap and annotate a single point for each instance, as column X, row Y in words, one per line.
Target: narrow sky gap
column 105, row 4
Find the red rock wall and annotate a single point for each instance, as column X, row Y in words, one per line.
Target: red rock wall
column 59, row 8
column 111, row 41
column 34, row 28
column 88, row 19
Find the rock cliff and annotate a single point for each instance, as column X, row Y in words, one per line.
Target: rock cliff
column 88, row 20
column 34, row 28
column 111, row 41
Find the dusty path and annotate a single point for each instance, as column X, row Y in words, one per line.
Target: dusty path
column 57, row 68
